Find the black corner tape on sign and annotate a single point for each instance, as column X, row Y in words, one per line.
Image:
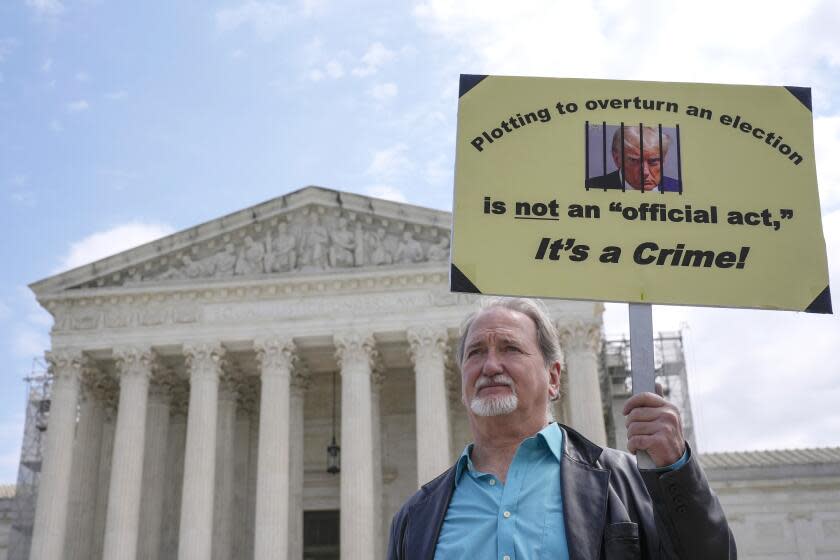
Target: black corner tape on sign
column 803, row 94
column 821, row 303
column 458, row 282
column 469, row 81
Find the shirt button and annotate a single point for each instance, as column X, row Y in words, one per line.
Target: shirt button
column 506, row 514
column 492, row 482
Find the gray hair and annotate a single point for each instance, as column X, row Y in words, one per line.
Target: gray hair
column 631, row 138
column 547, row 337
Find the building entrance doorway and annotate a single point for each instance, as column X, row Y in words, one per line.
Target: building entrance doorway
column 321, row 537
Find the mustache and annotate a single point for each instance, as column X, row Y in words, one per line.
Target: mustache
column 498, row 379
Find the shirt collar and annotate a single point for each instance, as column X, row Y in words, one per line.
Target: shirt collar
column 551, row 435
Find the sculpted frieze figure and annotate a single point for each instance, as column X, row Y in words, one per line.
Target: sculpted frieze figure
column 251, row 258
column 375, row 249
column 282, row 246
column 343, row 247
column 410, row 250
column 305, row 240
column 314, row 244
column 440, row 250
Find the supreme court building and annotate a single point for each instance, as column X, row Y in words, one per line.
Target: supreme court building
column 198, row 381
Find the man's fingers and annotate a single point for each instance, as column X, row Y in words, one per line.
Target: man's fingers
column 643, row 399
column 667, row 413
column 660, row 390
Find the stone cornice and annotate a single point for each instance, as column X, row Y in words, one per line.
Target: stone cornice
column 325, row 200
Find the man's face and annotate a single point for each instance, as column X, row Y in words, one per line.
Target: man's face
column 640, row 170
column 503, row 369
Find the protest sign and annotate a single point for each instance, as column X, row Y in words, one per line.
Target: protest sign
column 640, row 192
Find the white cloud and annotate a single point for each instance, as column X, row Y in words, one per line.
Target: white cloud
column 390, row 163
column 387, row 192
column 266, row 19
column 827, row 146
column 601, row 39
column 114, row 240
column 78, row 106
column 382, row 92
column 5, row 311
column 439, row 170
column 762, row 363
column 56, row 126
column 82, row 76
column 315, row 75
column 46, row 8
column 375, row 57
column 46, row 66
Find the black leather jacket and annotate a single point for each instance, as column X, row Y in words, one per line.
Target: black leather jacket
column 612, row 510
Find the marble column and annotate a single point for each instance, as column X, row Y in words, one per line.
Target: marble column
column 243, row 532
column 106, row 454
column 123, row 524
column 377, row 379
column 300, row 384
column 223, row 504
column 356, row 354
column 581, row 342
column 253, row 460
column 53, row 494
column 154, row 466
column 85, row 468
column 272, row 517
column 175, row 446
column 427, row 348
column 195, row 541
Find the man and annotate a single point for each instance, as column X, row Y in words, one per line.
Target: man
column 530, row 488
column 639, row 163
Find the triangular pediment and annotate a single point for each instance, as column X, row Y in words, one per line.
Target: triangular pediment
column 313, row 230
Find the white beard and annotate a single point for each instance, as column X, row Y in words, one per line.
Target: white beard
column 494, row 406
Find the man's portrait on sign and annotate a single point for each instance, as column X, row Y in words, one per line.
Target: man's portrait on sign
column 633, row 157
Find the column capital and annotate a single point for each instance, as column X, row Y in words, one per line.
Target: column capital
column 179, row 397
column 65, row 363
column 246, row 392
column 301, row 377
column 162, row 380
column 276, row 355
column 134, row 361
column 354, row 347
column 579, row 336
column 427, row 341
column 204, row 358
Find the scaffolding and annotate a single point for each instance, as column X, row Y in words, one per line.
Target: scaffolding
column 670, row 370
column 32, row 451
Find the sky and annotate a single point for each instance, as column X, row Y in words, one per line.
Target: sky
column 121, row 122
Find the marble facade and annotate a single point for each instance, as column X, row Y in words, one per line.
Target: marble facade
column 192, row 384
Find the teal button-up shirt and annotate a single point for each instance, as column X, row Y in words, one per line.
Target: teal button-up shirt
column 521, row 519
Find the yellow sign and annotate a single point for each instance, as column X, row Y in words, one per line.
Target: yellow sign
column 644, row 192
